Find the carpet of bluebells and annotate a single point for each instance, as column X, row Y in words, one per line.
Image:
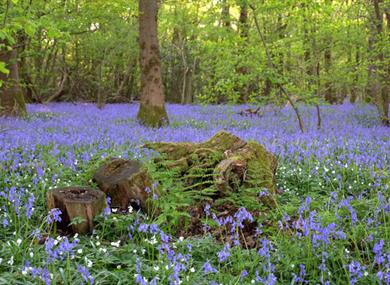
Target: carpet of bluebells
column 331, row 225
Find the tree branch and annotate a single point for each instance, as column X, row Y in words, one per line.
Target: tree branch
column 271, row 64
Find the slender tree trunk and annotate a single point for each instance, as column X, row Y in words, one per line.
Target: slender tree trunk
column 152, row 111
column 354, row 89
column 372, row 87
column 329, row 91
column 244, row 32
column 189, row 84
column 101, row 100
column 11, row 96
column 176, row 69
column 225, row 14
column 62, row 83
column 184, row 85
column 386, row 79
column 318, row 85
column 126, row 81
column 243, row 20
column 378, row 71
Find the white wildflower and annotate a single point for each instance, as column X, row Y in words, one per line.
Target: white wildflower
column 116, row 244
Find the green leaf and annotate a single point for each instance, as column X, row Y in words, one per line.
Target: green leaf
column 3, row 68
column 77, row 220
column 29, row 29
column 53, row 34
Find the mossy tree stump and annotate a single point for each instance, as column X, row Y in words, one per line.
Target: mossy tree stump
column 126, row 182
column 225, row 162
column 77, row 202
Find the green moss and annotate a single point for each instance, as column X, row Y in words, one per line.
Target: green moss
column 261, row 168
column 152, row 116
column 223, row 141
column 21, row 104
column 237, row 170
column 172, row 151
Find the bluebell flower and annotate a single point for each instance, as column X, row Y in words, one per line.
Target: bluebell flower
column 54, row 216
column 377, row 250
column 143, row 228
column 207, row 209
column 243, row 274
column 42, row 273
column 85, row 274
column 224, row 254
column 208, row 268
column 107, row 209
column 5, row 222
column 243, row 215
column 355, row 272
column 30, row 206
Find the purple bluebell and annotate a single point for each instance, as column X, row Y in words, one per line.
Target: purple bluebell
column 208, row 268
column 85, row 274
column 54, row 216
column 224, row 254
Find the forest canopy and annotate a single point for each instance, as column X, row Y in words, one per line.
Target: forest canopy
column 323, row 50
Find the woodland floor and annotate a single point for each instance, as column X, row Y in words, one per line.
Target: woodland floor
column 331, row 223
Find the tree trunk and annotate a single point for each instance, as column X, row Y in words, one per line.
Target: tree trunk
column 11, row 96
column 225, row 14
column 244, row 32
column 189, row 85
column 378, row 71
column 354, row 89
column 386, row 79
column 152, row 111
column 176, row 69
column 101, row 100
column 329, row 92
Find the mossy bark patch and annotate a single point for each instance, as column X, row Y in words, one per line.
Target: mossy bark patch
column 152, row 116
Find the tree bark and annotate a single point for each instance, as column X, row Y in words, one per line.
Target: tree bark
column 11, row 96
column 244, row 32
column 378, row 71
column 176, row 73
column 329, row 91
column 354, row 89
column 81, row 203
column 152, row 111
column 225, row 14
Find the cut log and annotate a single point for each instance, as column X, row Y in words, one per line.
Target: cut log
column 251, row 112
column 126, row 182
column 77, row 202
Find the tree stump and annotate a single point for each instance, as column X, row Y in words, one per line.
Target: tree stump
column 251, row 112
column 126, row 182
column 225, row 162
column 77, row 202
